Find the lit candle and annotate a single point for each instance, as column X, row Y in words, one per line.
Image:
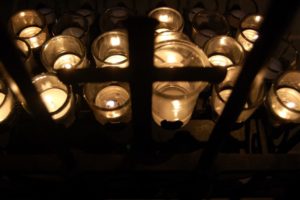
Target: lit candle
column 220, row 60
column 117, row 60
column 73, row 31
column 290, row 98
column 33, row 35
column 250, row 37
column 112, row 100
column 54, row 99
column 66, row 61
column 169, row 19
column 6, row 105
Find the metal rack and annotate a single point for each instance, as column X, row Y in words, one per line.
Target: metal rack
column 197, row 171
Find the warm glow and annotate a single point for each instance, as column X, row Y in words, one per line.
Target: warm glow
column 164, row 18
column 67, row 61
column 2, row 97
column 111, row 104
column 287, row 103
column 223, row 41
column 116, row 60
column 115, row 41
column 176, row 108
column 167, row 58
column 247, row 39
column 33, row 35
column 258, row 18
column 161, row 30
column 112, row 97
column 6, row 105
column 29, row 32
column 220, row 60
column 291, row 104
column 54, row 100
column 251, row 35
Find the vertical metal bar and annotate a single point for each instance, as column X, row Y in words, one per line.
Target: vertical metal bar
column 141, row 48
column 271, row 31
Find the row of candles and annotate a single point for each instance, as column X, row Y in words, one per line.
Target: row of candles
column 171, row 101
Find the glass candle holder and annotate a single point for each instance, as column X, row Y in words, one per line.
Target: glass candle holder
column 170, row 35
column 63, row 52
column 74, row 25
column 169, row 19
column 57, row 97
column 113, row 18
column 248, row 31
column 49, row 14
column 222, row 91
column 224, row 51
column 207, row 24
column 88, row 14
column 30, row 26
column 111, row 49
column 174, row 102
column 110, row 102
column 283, row 99
column 285, row 57
column 7, row 102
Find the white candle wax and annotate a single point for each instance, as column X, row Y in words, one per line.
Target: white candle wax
column 6, row 106
column 66, row 61
column 291, row 100
column 33, row 36
column 251, row 37
column 160, row 30
column 73, row 31
column 220, row 60
column 116, row 60
column 54, row 99
column 111, row 100
column 167, row 58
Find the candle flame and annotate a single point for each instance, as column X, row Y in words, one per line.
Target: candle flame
column 68, row 66
column 111, row 104
column 163, row 18
column 115, row 41
column 291, row 104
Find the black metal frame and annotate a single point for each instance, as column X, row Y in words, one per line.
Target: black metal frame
column 202, row 166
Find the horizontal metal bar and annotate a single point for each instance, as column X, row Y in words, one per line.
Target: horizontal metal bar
column 225, row 163
column 213, row 75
